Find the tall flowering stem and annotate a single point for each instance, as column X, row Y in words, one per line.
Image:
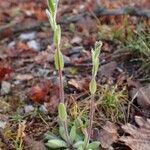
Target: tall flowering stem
column 59, row 63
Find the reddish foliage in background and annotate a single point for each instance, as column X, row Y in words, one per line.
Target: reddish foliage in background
column 39, row 92
column 5, row 71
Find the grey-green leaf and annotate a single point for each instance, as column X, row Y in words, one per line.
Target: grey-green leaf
column 59, row 60
column 94, row 145
column 50, row 136
column 51, row 20
column 62, row 132
column 78, row 144
column 93, row 86
column 73, row 133
column 55, row 143
column 52, row 5
column 62, row 112
column 57, row 35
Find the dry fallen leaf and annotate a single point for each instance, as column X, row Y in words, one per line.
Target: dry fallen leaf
column 108, row 135
column 5, row 71
column 39, row 92
column 81, row 85
column 143, row 96
column 34, row 145
column 108, row 69
column 139, row 138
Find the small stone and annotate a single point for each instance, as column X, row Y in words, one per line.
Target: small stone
column 34, row 45
column 43, row 109
column 28, row 109
column 11, row 44
column 76, row 40
column 27, row 36
column 5, row 87
column 76, row 50
column 66, row 60
column 2, row 124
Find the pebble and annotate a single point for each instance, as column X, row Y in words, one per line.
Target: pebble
column 43, row 109
column 34, row 45
column 5, row 87
column 76, row 40
column 76, row 51
column 28, row 109
column 2, row 124
column 66, row 60
column 27, row 36
column 11, row 44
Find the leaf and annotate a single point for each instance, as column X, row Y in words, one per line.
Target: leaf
column 49, row 136
column 108, row 135
column 94, row 145
column 57, row 35
column 39, row 92
column 73, row 133
column 93, row 86
column 5, row 71
column 80, row 84
column 62, row 112
column 139, row 138
column 143, row 96
column 108, row 69
column 52, row 4
column 62, row 132
column 51, row 20
column 59, row 60
column 33, row 145
column 78, row 144
column 55, row 143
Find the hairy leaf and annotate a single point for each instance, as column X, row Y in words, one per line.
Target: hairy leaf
column 73, row 133
column 62, row 112
column 94, row 145
column 59, row 60
column 93, row 86
column 55, row 143
column 57, row 35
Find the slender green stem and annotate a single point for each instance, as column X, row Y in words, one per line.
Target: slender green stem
column 61, row 87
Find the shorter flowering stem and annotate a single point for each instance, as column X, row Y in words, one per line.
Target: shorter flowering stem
column 91, row 115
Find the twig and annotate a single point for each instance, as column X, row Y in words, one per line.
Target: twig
column 101, row 11
column 129, row 106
